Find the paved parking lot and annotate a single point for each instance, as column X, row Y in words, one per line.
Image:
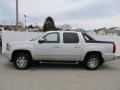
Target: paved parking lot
column 59, row 77
column 0, row 49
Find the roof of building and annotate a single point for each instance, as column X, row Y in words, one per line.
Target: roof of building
column 109, row 30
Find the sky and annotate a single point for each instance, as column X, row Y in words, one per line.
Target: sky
column 87, row 14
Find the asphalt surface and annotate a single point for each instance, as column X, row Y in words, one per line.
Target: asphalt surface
column 59, row 77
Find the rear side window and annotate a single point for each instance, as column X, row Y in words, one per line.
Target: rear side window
column 70, row 38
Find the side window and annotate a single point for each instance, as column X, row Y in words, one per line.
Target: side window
column 70, row 38
column 52, row 38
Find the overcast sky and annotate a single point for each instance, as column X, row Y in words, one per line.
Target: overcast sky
column 88, row 14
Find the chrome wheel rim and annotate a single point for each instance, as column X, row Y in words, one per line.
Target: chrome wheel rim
column 21, row 62
column 92, row 63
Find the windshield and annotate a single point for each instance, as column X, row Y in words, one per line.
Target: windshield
column 34, row 39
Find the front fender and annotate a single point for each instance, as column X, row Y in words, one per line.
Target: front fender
column 22, row 47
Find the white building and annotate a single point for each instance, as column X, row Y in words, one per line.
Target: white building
column 109, row 31
column 91, row 32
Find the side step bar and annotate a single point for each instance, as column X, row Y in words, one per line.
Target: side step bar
column 59, row 62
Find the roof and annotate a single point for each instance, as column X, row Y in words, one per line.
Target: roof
column 64, row 31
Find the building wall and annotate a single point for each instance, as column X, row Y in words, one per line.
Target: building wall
column 101, row 32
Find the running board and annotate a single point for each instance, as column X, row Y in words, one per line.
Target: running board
column 59, row 62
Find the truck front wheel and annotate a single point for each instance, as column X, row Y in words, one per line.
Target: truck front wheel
column 22, row 61
column 92, row 62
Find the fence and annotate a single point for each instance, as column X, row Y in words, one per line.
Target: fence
column 12, row 36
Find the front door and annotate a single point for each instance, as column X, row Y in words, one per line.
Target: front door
column 50, row 49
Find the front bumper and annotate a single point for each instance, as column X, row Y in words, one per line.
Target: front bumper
column 8, row 55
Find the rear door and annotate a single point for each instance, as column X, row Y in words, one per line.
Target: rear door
column 71, row 50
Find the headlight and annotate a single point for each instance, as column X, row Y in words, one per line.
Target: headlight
column 8, row 47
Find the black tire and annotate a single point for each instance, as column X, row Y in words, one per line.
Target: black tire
column 92, row 62
column 22, row 61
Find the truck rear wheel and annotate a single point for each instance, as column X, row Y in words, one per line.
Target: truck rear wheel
column 92, row 62
column 22, row 61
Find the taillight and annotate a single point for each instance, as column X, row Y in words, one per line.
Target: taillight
column 114, row 48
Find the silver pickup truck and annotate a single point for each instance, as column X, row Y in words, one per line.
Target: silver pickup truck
column 61, row 46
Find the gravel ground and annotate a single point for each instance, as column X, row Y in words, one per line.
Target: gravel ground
column 59, row 77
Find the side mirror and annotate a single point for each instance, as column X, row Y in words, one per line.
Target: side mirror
column 41, row 40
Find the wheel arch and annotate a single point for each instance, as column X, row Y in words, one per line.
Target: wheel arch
column 21, row 51
column 95, row 53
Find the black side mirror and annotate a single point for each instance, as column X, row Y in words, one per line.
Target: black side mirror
column 41, row 41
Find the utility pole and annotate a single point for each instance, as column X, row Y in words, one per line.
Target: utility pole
column 17, row 15
column 25, row 21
